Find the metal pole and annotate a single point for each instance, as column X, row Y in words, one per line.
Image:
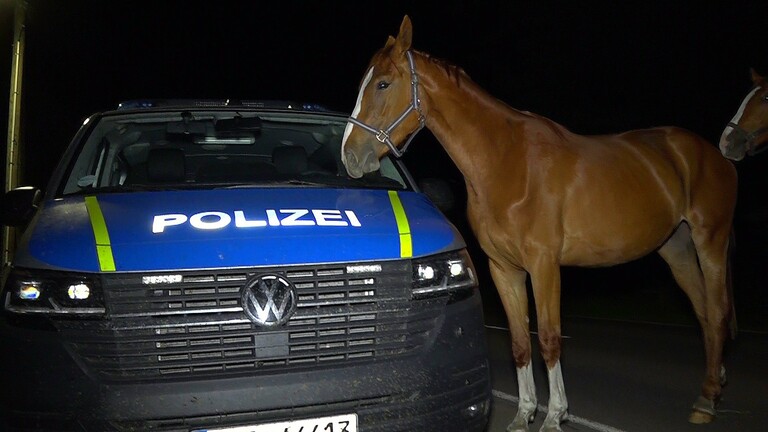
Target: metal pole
column 13, row 168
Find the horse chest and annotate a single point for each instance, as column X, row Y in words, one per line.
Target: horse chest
column 500, row 234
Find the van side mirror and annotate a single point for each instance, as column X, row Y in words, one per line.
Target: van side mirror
column 18, row 206
column 439, row 192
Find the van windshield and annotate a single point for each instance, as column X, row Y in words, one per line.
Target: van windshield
column 160, row 150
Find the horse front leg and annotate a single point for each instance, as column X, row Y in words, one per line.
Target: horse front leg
column 510, row 283
column 545, row 277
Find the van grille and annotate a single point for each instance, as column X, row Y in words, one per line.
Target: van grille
column 197, row 327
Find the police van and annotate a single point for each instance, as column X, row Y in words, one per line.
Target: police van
column 209, row 266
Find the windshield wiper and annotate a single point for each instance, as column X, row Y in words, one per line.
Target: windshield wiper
column 128, row 188
column 273, row 183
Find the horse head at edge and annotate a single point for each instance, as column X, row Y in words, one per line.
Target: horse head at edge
column 388, row 111
column 749, row 127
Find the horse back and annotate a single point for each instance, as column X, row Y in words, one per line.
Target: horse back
column 602, row 200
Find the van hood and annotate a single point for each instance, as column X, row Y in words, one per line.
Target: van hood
column 186, row 230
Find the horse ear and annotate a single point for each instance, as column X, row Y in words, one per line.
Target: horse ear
column 390, row 42
column 756, row 78
column 404, row 37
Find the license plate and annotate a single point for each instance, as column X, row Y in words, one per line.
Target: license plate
column 339, row 423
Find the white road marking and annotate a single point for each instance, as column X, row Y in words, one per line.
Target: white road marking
column 571, row 418
column 506, row 330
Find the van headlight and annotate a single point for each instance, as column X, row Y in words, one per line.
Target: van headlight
column 49, row 292
column 439, row 274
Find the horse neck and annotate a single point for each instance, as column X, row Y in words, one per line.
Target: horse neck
column 464, row 118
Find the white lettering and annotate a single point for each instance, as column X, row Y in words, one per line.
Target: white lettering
column 162, row 279
column 213, row 220
column 163, row 221
column 242, row 222
column 364, row 268
column 293, row 218
column 352, row 218
column 272, row 217
column 329, row 218
column 220, row 220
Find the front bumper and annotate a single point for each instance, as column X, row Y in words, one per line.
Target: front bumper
column 445, row 387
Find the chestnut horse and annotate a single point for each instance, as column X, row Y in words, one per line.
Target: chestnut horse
column 749, row 127
column 540, row 196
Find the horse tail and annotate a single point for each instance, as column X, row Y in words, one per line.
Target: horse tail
column 732, row 322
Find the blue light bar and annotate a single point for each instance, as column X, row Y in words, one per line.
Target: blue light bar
column 220, row 103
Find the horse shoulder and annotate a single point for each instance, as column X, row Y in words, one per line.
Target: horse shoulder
column 513, row 227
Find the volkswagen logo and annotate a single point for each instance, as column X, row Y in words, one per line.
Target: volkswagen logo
column 269, row 300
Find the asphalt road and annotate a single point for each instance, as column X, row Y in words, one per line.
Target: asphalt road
column 637, row 377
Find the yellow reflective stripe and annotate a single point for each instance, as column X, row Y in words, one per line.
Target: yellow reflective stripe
column 103, row 245
column 403, row 228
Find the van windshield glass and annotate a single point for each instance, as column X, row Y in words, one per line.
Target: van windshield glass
column 137, row 151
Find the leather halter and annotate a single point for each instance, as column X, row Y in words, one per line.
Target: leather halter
column 383, row 135
column 750, row 137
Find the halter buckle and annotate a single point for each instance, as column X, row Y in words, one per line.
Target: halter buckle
column 382, row 136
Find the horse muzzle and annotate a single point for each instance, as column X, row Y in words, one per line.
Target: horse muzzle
column 362, row 162
column 733, row 144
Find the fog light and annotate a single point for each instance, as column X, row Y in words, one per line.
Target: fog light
column 29, row 292
column 78, row 292
column 426, row 272
column 456, row 268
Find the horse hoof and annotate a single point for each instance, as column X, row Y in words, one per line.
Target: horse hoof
column 699, row 417
column 517, row 426
column 512, row 427
column 703, row 411
column 520, row 424
column 521, row 420
column 552, row 423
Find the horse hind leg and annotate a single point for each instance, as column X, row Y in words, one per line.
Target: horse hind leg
column 510, row 284
column 679, row 252
column 712, row 249
column 700, row 273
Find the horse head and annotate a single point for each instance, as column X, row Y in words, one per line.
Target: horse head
column 388, row 112
column 749, row 127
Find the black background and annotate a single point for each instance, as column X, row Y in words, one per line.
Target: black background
column 594, row 66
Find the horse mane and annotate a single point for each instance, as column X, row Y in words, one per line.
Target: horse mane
column 452, row 71
column 461, row 79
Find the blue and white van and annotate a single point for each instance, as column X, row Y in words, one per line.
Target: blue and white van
column 209, row 266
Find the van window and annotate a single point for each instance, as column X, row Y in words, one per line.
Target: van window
column 214, row 149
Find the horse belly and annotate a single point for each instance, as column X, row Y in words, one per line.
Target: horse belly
column 614, row 237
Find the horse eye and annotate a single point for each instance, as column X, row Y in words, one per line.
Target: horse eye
column 382, row 85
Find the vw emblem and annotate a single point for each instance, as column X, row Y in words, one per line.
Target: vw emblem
column 269, row 300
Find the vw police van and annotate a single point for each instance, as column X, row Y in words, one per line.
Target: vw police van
column 209, row 266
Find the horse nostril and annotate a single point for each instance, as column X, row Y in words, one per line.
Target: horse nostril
column 350, row 158
column 371, row 162
column 351, row 164
column 360, row 163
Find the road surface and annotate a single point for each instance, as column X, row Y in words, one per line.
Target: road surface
column 637, row 377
